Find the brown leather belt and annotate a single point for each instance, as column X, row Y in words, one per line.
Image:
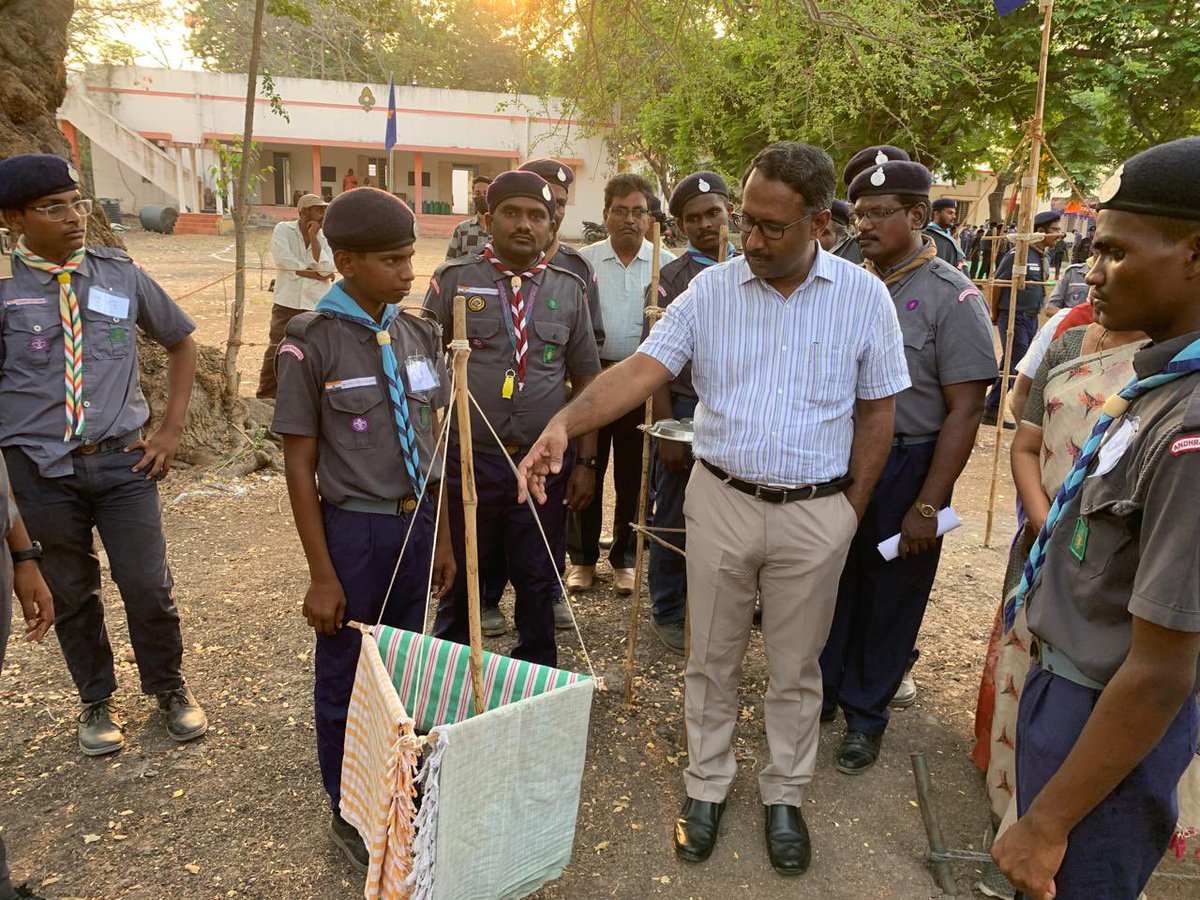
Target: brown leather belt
column 769, row 494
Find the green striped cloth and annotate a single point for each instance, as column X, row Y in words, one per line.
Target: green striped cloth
column 432, row 677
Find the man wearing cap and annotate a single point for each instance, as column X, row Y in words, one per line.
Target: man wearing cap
column 866, row 158
column 1108, row 713
column 700, row 204
column 940, row 231
column 73, row 443
column 359, row 382
column 470, row 235
column 796, row 359
column 951, row 361
column 623, row 270
column 838, row 229
column 304, row 271
column 1029, row 303
column 529, row 330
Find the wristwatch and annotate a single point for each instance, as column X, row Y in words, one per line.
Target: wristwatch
column 34, row 552
column 592, row 462
column 927, row 510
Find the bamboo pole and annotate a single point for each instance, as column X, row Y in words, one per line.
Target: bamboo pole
column 1029, row 181
column 462, row 405
column 635, row 602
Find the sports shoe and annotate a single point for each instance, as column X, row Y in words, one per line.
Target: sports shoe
column 492, row 622
column 906, row 694
column 671, row 634
column 562, row 615
column 623, row 581
column 185, row 719
column 580, row 578
column 99, row 732
column 347, row 839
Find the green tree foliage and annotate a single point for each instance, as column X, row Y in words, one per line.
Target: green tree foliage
column 93, row 35
column 449, row 43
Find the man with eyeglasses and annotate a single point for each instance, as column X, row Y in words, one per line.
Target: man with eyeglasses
column 951, row 361
column 73, row 443
column 622, row 263
column 796, row 360
column 866, row 158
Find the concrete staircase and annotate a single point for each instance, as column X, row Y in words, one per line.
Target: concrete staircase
column 103, row 129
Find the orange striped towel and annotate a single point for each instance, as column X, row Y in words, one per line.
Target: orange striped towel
column 378, row 768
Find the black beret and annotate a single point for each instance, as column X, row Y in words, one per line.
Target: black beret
column 841, row 211
column 694, row 185
column 507, row 185
column 550, row 169
column 1161, row 181
column 945, row 203
column 1046, row 218
column 368, row 220
column 31, row 176
column 871, row 156
column 891, row 178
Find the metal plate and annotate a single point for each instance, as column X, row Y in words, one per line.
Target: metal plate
column 672, row 430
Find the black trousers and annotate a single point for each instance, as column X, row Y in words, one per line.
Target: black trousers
column 583, row 530
column 103, row 493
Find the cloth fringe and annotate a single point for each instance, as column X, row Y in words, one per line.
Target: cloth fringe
column 424, row 848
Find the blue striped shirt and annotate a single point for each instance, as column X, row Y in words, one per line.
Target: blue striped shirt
column 777, row 377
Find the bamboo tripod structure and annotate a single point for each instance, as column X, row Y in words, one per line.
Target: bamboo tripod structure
column 1022, row 239
column 462, row 407
column 644, row 487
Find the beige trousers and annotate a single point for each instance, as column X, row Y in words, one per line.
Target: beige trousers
column 791, row 553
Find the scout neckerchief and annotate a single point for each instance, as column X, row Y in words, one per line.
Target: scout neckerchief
column 1183, row 363
column 928, row 252
column 517, row 305
column 72, row 326
column 338, row 302
column 707, row 261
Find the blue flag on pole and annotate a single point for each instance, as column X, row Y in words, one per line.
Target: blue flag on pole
column 1004, row 7
column 389, row 138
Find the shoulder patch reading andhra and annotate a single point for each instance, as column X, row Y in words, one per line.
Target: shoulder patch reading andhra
column 1186, row 444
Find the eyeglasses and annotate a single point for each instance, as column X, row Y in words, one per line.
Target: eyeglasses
column 624, row 212
column 58, row 211
column 770, row 231
column 879, row 213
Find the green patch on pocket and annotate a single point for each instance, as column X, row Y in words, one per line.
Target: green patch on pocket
column 425, row 416
column 118, row 334
column 549, row 352
column 1079, row 539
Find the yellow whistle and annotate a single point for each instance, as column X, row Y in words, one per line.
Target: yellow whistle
column 510, row 379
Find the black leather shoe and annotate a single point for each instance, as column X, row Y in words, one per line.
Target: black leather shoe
column 696, row 829
column 828, row 715
column 788, row 846
column 859, row 752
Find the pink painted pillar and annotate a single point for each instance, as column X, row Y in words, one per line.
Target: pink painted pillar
column 418, row 194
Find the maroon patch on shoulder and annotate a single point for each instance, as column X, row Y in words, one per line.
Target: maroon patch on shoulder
column 1186, row 444
column 969, row 292
column 291, row 350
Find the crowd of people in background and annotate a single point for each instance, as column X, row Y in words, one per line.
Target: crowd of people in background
column 836, row 364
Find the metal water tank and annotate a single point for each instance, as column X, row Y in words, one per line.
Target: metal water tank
column 158, row 218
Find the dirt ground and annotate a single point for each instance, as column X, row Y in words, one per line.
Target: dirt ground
column 241, row 812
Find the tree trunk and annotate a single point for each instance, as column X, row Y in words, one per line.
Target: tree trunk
column 241, row 209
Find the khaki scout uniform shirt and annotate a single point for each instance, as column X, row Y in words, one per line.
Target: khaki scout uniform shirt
column 332, row 387
column 1125, row 546
column 947, row 340
column 559, row 331
column 114, row 296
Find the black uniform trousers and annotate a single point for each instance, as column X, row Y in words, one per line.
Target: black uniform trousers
column 124, row 507
column 583, row 531
column 880, row 604
column 504, row 525
column 364, row 548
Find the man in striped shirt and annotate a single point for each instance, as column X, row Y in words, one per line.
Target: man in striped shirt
column 796, row 360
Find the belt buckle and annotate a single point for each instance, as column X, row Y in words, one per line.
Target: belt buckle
column 88, row 449
column 408, row 505
column 512, row 449
column 758, row 492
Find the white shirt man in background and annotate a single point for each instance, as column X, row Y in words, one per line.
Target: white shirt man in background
column 304, row 271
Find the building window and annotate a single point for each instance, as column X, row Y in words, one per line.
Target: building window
column 412, row 179
column 328, row 173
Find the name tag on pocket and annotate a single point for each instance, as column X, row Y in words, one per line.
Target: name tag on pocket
column 108, row 303
column 422, row 376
